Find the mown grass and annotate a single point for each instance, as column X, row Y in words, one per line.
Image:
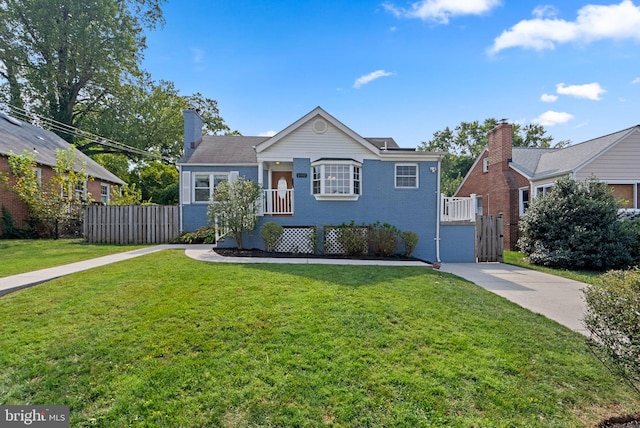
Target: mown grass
column 20, row 256
column 518, row 259
column 163, row 340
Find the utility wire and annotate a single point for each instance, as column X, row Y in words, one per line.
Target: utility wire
column 53, row 125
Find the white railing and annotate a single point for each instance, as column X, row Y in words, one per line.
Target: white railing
column 458, row 209
column 277, row 202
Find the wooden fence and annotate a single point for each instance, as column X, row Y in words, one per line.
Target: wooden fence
column 130, row 224
column 489, row 231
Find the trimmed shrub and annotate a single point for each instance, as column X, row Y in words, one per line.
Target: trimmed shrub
column 353, row 239
column 409, row 242
column 384, row 239
column 271, row 233
column 575, row 226
column 613, row 320
column 203, row 235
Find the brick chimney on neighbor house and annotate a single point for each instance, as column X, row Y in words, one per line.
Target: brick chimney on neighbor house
column 500, row 146
column 192, row 129
column 503, row 183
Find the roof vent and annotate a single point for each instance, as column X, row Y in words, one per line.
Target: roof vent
column 10, row 119
column 320, row 126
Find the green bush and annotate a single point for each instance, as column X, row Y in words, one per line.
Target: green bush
column 409, row 242
column 203, row 235
column 384, row 239
column 271, row 233
column 575, row 227
column 613, row 320
column 8, row 229
column 631, row 230
column 353, row 239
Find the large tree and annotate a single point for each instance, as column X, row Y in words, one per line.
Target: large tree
column 62, row 58
column 465, row 142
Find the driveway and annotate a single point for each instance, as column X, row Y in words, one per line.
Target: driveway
column 554, row 297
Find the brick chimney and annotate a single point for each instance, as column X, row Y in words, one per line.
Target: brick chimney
column 500, row 146
column 192, row 129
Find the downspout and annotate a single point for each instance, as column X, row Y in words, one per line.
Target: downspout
column 180, row 228
column 439, row 213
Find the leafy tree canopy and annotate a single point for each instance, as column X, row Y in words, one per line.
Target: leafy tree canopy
column 467, row 140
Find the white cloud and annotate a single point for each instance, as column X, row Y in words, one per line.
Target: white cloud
column 363, row 80
column 590, row 91
column 594, row 22
column 267, row 134
column 441, row 10
column 636, row 80
column 550, row 118
column 545, row 10
column 548, row 98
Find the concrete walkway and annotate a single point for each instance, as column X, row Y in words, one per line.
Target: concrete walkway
column 554, row 297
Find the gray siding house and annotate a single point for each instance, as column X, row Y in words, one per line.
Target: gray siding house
column 315, row 173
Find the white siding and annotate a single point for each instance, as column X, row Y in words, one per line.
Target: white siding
column 304, row 142
column 621, row 162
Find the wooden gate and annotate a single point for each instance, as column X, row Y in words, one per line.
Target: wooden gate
column 489, row 238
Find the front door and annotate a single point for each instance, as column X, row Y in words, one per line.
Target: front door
column 282, row 194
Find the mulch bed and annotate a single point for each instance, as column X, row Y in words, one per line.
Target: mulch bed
column 629, row 421
column 254, row 252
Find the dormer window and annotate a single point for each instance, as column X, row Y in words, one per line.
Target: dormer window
column 336, row 179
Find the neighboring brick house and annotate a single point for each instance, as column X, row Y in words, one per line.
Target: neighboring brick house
column 505, row 178
column 17, row 136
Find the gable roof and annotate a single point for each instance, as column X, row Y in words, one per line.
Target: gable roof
column 541, row 163
column 17, row 136
column 319, row 111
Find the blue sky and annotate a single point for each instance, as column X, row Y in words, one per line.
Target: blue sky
column 407, row 69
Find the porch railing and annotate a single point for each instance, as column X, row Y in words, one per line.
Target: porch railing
column 458, row 209
column 277, row 202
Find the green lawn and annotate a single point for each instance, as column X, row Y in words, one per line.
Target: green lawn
column 164, row 341
column 20, row 256
column 518, row 259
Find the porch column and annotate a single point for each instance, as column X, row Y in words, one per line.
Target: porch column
column 260, row 173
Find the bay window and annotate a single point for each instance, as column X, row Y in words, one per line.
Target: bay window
column 339, row 179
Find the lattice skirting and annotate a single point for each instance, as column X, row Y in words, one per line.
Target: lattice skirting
column 297, row 239
column 331, row 244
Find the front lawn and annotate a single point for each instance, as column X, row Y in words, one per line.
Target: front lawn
column 26, row 255
column 518, row 259
column 164, row 341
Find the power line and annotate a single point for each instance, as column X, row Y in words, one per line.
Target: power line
column 53, row 125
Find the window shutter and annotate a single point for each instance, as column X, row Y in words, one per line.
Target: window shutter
column 233, row 176
column 185, row 188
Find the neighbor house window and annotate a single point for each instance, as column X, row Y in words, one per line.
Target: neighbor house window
column 485, row 165
column 104, row 193
column 80, row 191
column 38, row 172
column 205, row 184
column 340, row 179
column 543, row 190
column 524, row 200
column 406, row 175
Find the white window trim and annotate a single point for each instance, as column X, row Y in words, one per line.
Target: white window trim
column 543, row 189
column 108, row 195
column 228, row 174
column 336, row 196
column 395, row 176
column 521, row 209
column 485, row 165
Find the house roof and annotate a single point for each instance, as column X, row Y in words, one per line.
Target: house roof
column 17, row 136
column 541, row 163
column 224, row 149
column 243, row 150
